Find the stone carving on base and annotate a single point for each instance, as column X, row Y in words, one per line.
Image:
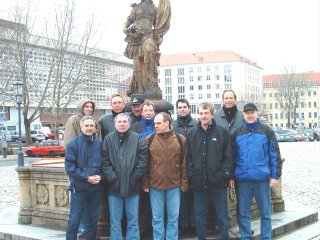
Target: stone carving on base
column 61, row 196
column 42, row 194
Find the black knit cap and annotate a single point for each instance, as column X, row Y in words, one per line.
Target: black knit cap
column 250, row 106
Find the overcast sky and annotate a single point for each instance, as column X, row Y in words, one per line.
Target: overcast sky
column 273, row 33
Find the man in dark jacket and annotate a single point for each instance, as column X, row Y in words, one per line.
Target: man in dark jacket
column 229, row 117
column 258, row 167
column 135, row 114
column 125, row 158
column 144, row 128
column 210, row 165
column 183, row 124
column 83, row 165
column 106, row 122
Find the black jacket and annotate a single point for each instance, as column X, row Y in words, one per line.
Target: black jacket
column 184, row 127
column 210, row 161
column 125, row 159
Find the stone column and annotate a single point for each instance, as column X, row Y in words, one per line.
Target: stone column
column 25, row 213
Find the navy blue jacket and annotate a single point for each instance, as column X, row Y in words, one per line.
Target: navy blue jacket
column 184, row 126
column 83, row 159
column 257, row 153
column 144, row 127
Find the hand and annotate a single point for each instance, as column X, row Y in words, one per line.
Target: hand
column 146, row 189
column 94, row 179
column 231, row 184
column 273, row 182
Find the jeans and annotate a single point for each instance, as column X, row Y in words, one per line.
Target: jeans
column 186, row 215
column 131, row 205
column 261, row 192
column 218, row 197
column 159, row 198
column 78, row 201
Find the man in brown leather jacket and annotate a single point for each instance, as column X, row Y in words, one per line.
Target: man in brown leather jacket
column 166, row 177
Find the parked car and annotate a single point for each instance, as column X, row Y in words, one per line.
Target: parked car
column 37, row 135
column 48, row 133
column 285, row 138
column 50, row 148
column 15, row 137
column 299, row 137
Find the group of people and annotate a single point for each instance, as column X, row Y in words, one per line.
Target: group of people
column 162, row 174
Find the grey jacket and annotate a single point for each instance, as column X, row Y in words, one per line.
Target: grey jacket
column 221, row 120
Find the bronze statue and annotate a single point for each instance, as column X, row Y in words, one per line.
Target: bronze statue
column 144, row 31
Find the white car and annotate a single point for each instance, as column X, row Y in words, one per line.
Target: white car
column 37, row 135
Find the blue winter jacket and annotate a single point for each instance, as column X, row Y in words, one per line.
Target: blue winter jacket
column 83, row 159
column 257, row 153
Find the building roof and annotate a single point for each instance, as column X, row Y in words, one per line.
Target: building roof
column 300, row 76
column 203, row 57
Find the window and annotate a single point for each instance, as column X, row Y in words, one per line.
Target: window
column 167, row 72
column 216, row 77
column 314, row 104
column 208, row 77
column 199, row 87
column 216, row 86
column 208, row 86
column 168, row 90
column 270, row 94
column 191, row 87
column 200, row 96
column 270, row 106
column 181, row 89
column 276, row 105
column 180, row 71
column 314, row 93
column 309, row 104
column 199, row 78
column 193, row 109
column 309, row 93
column 216, row 68
column 181, row 80
column 191, row 96
column 191, row 78
column 276, row 115
column 199, row 69
column 167, row 81
column 269, row 84
column 315, row 115
column 190, row 69
column 217, row 95
column 227, row 78
column 208, row 95
column 227, row 68
column 310, row 114
column 228, row 86
column 208, row 68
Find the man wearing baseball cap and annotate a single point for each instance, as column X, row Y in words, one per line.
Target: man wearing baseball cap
column 135, row 114
column 258, row 167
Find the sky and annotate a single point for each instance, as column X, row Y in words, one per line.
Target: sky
column 274, row 33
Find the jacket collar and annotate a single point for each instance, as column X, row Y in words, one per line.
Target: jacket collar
column 166, row 134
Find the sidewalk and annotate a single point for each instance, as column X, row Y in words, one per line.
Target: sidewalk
column 297, row 222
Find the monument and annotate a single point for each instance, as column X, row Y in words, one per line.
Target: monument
column 145, row 27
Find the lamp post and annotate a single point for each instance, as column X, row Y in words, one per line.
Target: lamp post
column 18, row 88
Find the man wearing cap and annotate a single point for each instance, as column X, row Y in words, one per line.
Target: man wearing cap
column 135, row 114
column 258, row 167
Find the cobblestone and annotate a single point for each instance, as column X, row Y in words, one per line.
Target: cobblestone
column 300, row 177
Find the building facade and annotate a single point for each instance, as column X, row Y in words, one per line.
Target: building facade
column 203, row 76
column 305, row 100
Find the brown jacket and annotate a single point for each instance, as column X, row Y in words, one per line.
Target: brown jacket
column 165, row 169
column 72, row 128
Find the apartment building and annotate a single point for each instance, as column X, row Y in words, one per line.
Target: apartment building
column 203, row 76
column 306, row 88
column 101, row 73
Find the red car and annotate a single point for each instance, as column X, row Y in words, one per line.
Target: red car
column 50, row 148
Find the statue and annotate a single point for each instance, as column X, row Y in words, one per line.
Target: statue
column 144, row 31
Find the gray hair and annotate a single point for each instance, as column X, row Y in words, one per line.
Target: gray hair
column 86, row 118
column 122, row 115
column 205, row 105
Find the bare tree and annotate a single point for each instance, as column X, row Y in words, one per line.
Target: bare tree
column 290, row 90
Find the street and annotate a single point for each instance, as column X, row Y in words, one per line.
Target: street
column 13, row 162
column 300, row 178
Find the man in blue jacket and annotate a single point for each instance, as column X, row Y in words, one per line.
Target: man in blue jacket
column 258, row 167
column 83, row 165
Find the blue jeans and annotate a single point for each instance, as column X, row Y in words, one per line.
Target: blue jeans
column 186, row 215
column 159, row 198
column 261, row 192
column 218, row 197
column 131, row 205
column 78, row 201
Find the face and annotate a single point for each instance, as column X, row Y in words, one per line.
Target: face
column 229, row 99
column 136, row 109
column 183, row 109
column 250, row 116
column 205, row 117
column 148, row 112
column 160, row 125
column 87, row 109
column 88, row 127
column 122, row 124
column 117, row 104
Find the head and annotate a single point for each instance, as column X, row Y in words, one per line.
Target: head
column 136, row 104
column 162, row 122
column 122, row 122
column 250, row 113
column 148, row 110
column 88, row 108
column 117, row 103
column 205, row 111
column 229, row 98
column 183, row 107
column 88, row 125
